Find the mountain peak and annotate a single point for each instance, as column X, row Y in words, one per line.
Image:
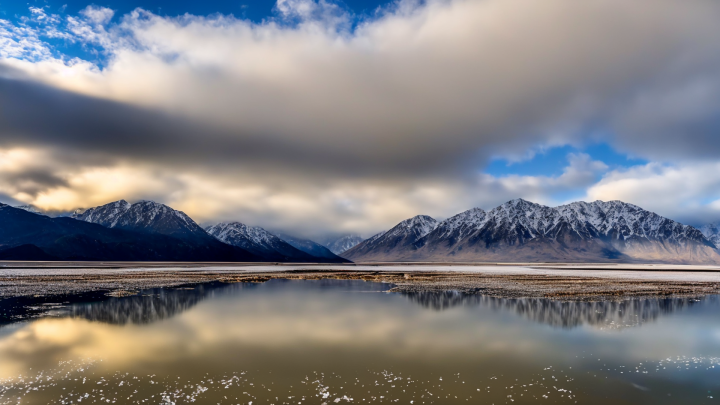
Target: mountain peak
column 418, row 220
column 229, row 231
column 145, row 202
column 419, row 225
column 30, row 208
column 145, row 216
column 401, row 236
column 519, row 203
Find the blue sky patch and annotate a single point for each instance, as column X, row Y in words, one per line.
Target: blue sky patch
column 551, row 162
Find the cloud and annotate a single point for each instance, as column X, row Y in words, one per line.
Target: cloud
column 370, row 115
column 443, row 83
column 581, row 172
column 687, row 193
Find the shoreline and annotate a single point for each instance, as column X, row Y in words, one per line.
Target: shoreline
column 553, row 281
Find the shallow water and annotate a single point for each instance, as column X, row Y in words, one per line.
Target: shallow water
column 315, row 342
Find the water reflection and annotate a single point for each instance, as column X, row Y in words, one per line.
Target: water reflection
column 150, row 305
column 163, row 303
column 298, row 342
column 562, row 314
column 159, row 304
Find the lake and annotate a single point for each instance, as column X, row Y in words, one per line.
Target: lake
column 341, row 341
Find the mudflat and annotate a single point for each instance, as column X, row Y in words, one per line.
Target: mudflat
column 556, row 280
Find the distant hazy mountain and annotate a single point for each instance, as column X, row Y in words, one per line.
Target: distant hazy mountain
column 310, row 247
column 263, row 243
column 712, row 232
column 396, row 241
column 338, row 245
column 28, row 236
column 523, row 231
column 49, row 213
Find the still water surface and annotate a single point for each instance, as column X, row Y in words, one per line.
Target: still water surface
column 327, row 342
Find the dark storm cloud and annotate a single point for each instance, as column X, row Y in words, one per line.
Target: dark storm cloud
column 34, row 180
column 92, row 130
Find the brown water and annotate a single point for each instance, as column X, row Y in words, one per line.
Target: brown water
column 315, row 342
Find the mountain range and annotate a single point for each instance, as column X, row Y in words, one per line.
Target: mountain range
column 517, row 231
column 144, row 231
column 522, row 231
column 260, row 242
column 28, row 236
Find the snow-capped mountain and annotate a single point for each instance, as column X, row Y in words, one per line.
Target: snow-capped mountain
column 310, row 247
column 261, row 242
column 29, row 236
column 400, row 238
column 712, row 232
column 144, row 216
column 520, row 230
column 342, row 244
column 30, row 208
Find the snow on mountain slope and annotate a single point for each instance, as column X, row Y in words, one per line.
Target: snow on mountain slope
column 261, row 242
column 342, row 244
column 525, row 220
column 712, row 232
column 399, row 238
column 143, row 216
column 30, row 208
column 520, row 230
column 375, row 237
column 623, row 221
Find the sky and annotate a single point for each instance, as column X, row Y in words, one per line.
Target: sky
column 316, row 117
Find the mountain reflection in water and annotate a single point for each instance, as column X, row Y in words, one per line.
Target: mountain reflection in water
column 159, row 304
column 342, row 341
column 163, row 303
column 562, row 314
column 151, row 305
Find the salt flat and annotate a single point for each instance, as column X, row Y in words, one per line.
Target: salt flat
column 658, row 272
column 563, row 281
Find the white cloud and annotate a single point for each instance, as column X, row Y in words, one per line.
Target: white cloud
column 689, row 193
column 580, row 173
column 97, row 15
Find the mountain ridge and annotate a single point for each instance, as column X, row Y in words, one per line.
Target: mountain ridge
column 263, row 243
column 310, row 247
column 519, row 230
column 28, row 236
column 144, row 216
column 398, row 237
